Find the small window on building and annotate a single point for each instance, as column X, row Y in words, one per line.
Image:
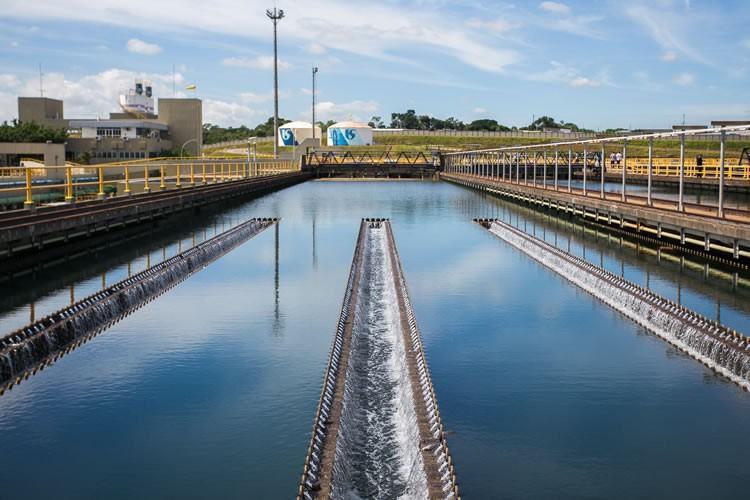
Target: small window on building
column 108, row 132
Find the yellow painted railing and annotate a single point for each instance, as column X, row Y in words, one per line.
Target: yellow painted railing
column 77, row 182
column 639, row 166
column 671, row 167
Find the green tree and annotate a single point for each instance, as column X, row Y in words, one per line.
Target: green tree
column 213, row 134
column 325, row 125
column 376, row 122
column 31, row 132
column 488, row 125
column 546, row 122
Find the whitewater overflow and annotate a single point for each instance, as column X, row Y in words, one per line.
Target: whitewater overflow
column 723, row 350
column 33, row 347
column 377, row 431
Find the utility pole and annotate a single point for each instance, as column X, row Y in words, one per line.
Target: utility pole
column 314, row 72
column 275, row 16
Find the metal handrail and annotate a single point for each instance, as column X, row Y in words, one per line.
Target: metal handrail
column 617, row 139
column 153, row 174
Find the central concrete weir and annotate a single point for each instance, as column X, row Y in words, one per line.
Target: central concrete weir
column 716, row 346
column 34, row 346
column 377, row 431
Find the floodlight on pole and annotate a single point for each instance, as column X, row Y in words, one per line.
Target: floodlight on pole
column 275, row 16
column 314, row 72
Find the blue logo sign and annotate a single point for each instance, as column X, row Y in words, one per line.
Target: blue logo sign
column 287, row 137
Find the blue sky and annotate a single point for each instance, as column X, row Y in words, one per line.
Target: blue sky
column 597, row 63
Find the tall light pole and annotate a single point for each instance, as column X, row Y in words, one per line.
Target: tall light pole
column 314, row 72
column 275, row 16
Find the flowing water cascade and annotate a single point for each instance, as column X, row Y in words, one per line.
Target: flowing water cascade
column 377, row 432
column 724, row 350
column 37, row 345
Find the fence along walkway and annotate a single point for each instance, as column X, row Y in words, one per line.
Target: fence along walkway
column 509, row 164
column 75, row 182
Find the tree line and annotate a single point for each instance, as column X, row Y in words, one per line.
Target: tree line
column 408, row 120
column 31, row 132
column 411, row 121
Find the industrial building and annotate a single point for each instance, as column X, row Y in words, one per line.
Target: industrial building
column 349, row 134
column 295, row 133
column 178, row 126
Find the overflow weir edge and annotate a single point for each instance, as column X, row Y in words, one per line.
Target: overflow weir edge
column 320, row 468
column 720, row 348
column 37, row 345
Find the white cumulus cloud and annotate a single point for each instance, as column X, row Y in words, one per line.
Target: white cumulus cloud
column 259, row 62
column 479, row 111
column 9, row 86
column 137, row 46
column 498, row 25
column 369, row 28
column 8, row 81
column 254, row 98
column 581, row 81
column 315, row 48
column 557, row 7
column 684, row 79
column 228, row 114
column 355, row 110
column 94, row 95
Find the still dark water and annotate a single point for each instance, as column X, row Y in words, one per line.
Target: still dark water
column 210, row 390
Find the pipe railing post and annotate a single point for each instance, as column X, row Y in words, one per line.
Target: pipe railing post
column 68, row 184
column 178, row 176
column 29, row 201
column 518, row 167
column 602, row 170
column 100, row 194
column 650, row 170
column 192, row 174
column 533, row 173
column 722, row 140
column 544, row 171
column 570, row 170
column 585, row 153
column 146, row 187
column 162, row 184
column 681, row 194
column 557, row 166
column 203, row 172
column 623, row 195
column 526, row 169
column 127, row 180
